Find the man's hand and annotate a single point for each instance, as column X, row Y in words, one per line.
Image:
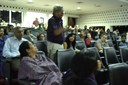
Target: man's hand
column 58, row 31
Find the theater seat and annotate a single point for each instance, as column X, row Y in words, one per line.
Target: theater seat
column 42, row 46
column 118, row 74
column 124, row 54
column 80, row 45
column 64, row 57
column 93, row 43
column 110, row 43
column 110, row 55
column 78, row 38
column 102, row 74
column 26, row 82
column 10, row 69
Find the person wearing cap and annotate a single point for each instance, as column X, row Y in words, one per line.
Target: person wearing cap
column 55, row 31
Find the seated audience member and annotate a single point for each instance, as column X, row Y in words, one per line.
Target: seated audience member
column 27, row 32
column 11, row 47
column 117, row 34
column 108, row 33
column 36, row 22
column 70, row 41
column 9, row 31
column 41, row 28
column 85, row 30
column 94, row 33
column 102, row 42
column 37, row 67
column 127, row 36
column 88, row 40
column 123, row 41
column 83, row 67
column 41, row 37
column 2, row 41
column 82, row 37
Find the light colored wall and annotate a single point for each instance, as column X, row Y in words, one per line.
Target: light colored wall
column 104, row 18
column 29, row 15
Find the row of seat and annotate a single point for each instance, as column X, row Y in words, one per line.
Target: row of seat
column 64, row 58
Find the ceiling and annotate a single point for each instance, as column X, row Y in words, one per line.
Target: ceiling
column 70, row 6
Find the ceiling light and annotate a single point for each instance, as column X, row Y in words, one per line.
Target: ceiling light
column 30, row 1
column 78, row 8
column 57, row 4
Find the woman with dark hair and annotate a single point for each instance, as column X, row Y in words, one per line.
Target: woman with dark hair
column 41, row 37
column 70, row 41
column 28, row 35
column 9, row 30
column 37, row 67
column 83, row 67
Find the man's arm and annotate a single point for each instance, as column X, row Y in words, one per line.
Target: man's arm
column 99, row 47
column 65, row 45
column 58, row 31
column 7, row 48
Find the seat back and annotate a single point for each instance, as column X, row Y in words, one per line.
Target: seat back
column 97, row 54
column 64, row 57
column 78, row 38
column 110, row 43
column 124, row 54
column 80, row 45
column 42, row 46
column 93, row 43
column 96, row 51
column 117, row 44
column 110, row 55
column 27, row 37
column 118, row 74
column 10, row 69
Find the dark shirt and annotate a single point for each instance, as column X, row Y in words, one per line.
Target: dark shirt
column 2, row 41
column 68, row 79
column 54, row 24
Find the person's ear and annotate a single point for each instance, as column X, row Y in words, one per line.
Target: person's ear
column 99, row 63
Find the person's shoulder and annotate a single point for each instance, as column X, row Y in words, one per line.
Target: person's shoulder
column 41, row 56
column 52, row 19
column 23, row 39
column 27, row 60
column 5, row 37
column 98, row 41
column 10, row 39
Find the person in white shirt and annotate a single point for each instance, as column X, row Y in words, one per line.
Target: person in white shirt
column 11, row 47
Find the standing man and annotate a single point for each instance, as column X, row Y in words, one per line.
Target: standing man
column 55, row 31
